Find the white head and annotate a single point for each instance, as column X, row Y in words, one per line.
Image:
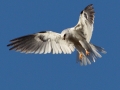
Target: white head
column 65, row 34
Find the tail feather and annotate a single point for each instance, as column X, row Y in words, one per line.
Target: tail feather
column 100, row 49
column 94, row 54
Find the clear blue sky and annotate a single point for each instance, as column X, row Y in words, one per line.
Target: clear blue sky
column 20, row 71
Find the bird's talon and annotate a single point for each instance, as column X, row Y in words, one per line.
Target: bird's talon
column 81, row 56
column 87, row 52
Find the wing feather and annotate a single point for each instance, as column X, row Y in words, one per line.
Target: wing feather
column 49, row 47
column 58, row 48
column 63, row 48
column 86, row 21
column 38, row 49
column 42, row 48
column 46, row 48
column 68, row 51
column 42, row 42
column 54, row 47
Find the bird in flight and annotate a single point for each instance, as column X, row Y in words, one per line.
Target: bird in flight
column 77, row 37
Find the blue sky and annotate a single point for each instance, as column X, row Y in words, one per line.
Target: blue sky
column 20, row 71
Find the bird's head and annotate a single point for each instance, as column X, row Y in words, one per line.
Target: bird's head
column 65, row 34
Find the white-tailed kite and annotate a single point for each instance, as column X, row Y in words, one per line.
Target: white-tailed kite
column 77, row 37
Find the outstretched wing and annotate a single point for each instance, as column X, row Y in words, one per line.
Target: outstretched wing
column 86, row 21
column 42, row 42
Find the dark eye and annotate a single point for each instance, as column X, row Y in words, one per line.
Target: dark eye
column 64, row 36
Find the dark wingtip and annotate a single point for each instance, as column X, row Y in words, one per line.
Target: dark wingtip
column 14, row 39
column 90, row 5
column 42, row 31
column 11, row 48
column 8, row 45
column 14, row 43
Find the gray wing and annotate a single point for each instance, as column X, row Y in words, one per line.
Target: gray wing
column 42, row 42
column 86, row 21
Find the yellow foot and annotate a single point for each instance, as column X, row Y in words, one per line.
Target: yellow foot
column 87, row 52
column 80, row 56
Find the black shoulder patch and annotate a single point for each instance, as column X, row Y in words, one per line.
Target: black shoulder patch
column 81, row 12
column 43, row 32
